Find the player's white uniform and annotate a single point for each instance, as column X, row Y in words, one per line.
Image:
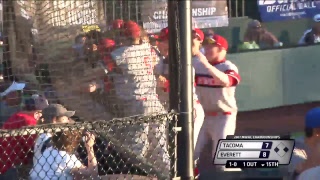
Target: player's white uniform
column 135, row 86
column 163, row 69
column 219, row 104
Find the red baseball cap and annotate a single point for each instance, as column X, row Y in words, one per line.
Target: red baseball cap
column 131, row 29
column 106, row 44
column 217, row 40
column 117, row 24
column 153, row 36
column 164, row 34
column 198, row 33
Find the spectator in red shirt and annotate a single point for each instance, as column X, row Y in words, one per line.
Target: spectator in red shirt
column 16, row 150
column 10, row 99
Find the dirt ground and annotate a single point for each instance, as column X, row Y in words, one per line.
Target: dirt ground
column 273, row 121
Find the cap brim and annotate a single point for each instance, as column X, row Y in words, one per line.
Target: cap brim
column 14, row 87
column 71, row 121
column 19, row 86
column 210, row 40
column 69, row 113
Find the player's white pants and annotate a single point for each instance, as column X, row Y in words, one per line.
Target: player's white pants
column 198, row 121
column 215, row 128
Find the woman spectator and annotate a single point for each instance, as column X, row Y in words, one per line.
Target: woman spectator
column 59, row 161
column 52, row 114
column 261, row 36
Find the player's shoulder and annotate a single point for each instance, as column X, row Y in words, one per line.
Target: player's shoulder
column 227, row 65
column 309, row 174
column 119, row 52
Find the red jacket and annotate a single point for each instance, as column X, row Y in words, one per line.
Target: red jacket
column 17, row 150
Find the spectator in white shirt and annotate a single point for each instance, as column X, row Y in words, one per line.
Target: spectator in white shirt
column 59, row 160
column 311, row 36
column 53, row 114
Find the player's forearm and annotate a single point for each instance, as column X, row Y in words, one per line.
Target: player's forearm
column 218, row 75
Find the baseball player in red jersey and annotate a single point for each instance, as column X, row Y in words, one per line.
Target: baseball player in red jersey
column 162, row 70
column 216, row 80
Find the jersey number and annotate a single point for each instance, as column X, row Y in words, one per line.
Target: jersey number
column 148, row 63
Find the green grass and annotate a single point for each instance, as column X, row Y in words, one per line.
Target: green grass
column 297, row 135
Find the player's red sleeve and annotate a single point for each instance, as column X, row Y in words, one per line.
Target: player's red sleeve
column 234, row 77
column 109, row 63
column 166, row 86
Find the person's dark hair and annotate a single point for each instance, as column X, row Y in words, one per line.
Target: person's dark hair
column 309, row 37
column 94, row 35
column 67, row 140
column 308, row 132
column 78, row 38
column 30, row 105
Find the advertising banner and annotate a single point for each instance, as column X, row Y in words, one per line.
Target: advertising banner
column 281, row 10
column 205, row 14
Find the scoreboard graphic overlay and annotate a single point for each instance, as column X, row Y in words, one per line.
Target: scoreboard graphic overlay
column 254, row 151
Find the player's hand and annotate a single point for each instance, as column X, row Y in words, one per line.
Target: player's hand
column 195, row 46
column 162, row 78
column 202, row 58
column 161, row 81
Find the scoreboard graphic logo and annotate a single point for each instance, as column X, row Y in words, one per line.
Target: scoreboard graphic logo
column 254, row 151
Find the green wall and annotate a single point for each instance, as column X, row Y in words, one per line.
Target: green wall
column 280, row 77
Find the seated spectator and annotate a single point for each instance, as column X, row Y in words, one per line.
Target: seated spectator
column 306, row 153
column 11, row 99
column 17, row 150
column 248, row 46
column 31, row 114
column 261, row 36
column 52, row 114
column 312, row 36
column 58, row 161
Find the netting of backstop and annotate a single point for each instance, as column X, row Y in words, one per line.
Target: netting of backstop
column 73, row 53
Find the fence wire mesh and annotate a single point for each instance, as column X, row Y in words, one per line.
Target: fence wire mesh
column 49, row 151
column 79, row 55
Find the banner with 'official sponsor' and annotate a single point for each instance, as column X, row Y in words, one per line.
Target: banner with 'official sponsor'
column 205, row 14
column 281, row 10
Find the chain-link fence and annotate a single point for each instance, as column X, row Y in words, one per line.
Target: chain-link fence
column 53, row 151
column 80, row 55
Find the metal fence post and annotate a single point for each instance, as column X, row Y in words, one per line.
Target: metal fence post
column 185, row 121
column 174, row 83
